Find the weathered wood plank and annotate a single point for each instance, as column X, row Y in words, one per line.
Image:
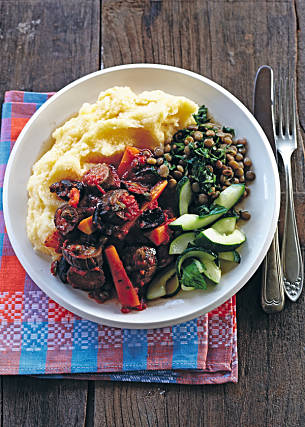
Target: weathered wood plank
column 45, row 44
column 33, row 402
column 226, row 41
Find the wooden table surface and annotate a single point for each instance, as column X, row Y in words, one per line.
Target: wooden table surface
column 46, row 44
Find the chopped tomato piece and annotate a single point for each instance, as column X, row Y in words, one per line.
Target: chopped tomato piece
column 54, row 241
column 154, row 194
column 74, row 197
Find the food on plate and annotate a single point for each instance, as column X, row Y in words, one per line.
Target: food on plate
column 149, row 217
column 99, row 133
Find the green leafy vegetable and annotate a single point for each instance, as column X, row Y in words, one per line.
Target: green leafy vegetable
column 192, row 275
column 207, row 209
column 201, row 116
column 228, row 130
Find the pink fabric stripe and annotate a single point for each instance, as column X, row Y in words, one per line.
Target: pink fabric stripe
column 159, row 348
column 110, row 349
column 202, row 332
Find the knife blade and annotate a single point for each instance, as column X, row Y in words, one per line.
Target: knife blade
column 272, row 286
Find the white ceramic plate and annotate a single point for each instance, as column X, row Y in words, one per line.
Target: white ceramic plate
column 225, row 108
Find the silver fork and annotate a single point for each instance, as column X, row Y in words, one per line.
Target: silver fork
column 285, row 132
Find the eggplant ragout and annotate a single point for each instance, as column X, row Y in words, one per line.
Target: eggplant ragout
column 157, row 223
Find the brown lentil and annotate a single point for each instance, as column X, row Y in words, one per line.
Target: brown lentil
column 167, row 148
column 158, row 152
column 210, row 168
column 218, row 164
column 160, row 161
column 172, row 183
column 180, row 168
column 227, row 172
column 250, row 175
column 239, row 157
column 227, row 183
column 232, row 150
column 247, row 162
column 233, row 164
column 198, row 136
column 202, row 198
column 187, row 150
column 195, row 187
column 239, row 172
column 242, row 141
column 188, row 140
column 174, row 146
column 146, row 153
column 168, row 157
column 242, row 150
column 151, row 161
column 245, row 215
column 177, row 174
column 208, row 142
column 210, row 133
column 227, row 140
column 220, row 134
column 235, row 180
column 242, row 178
column 192, row 127
column 163, row 171
column 229, row 157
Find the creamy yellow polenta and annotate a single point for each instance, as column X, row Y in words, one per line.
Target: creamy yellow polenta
column 99, row 133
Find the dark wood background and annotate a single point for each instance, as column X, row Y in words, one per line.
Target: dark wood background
column 46, row 44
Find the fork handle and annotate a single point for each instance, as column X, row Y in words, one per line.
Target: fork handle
column 272, row 296
column 291, row 252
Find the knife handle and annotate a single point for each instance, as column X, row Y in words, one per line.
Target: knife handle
column 273, row 297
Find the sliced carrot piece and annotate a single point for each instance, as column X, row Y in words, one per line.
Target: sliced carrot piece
column 86, row 225
column 128, row 156
column 127, row 294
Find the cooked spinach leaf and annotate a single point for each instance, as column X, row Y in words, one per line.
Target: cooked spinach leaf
column 192, row 275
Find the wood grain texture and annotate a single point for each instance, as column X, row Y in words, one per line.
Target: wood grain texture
column 45, row 45
column 32, row 402
column 226, row 41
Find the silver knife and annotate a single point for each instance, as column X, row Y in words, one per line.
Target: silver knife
column 272, row 291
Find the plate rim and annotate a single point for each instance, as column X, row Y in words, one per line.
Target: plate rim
column 178, row 319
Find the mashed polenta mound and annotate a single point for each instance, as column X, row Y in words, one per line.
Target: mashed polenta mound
column 99, row 133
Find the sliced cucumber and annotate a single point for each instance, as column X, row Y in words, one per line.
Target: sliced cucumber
column 188, row 222
column 181, row 242
column 226, row 200
column 162, row 284
column 172, row 286
column 232, row 256
column 230, row 196
column 225, row 225
column 185, row 194
column 206, row 258
column 212, row 240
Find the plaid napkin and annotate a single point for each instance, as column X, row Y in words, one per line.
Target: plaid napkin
column 37, row 336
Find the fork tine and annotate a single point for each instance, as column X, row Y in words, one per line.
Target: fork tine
column 286, row 101
column 280, row 107
column 294, row 108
